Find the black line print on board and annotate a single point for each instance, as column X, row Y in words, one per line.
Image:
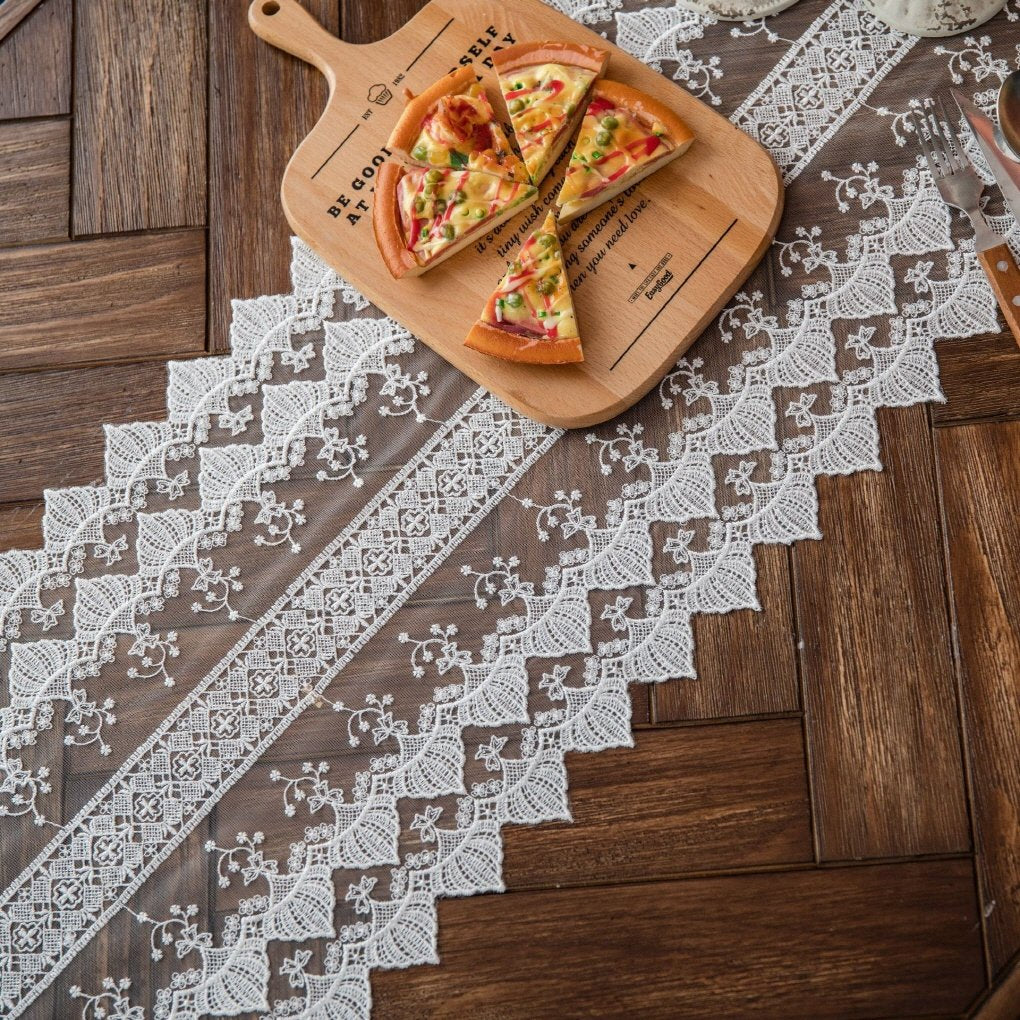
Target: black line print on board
column 626, row 350
column 427, row 48
column 335, row 151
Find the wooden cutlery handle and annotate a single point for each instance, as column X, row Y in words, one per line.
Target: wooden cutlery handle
column 1004, row 276
column 286, row 25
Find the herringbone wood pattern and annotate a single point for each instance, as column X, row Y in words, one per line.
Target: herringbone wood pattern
column 771, row 879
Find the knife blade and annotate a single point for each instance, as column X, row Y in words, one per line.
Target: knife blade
column 1005, row 172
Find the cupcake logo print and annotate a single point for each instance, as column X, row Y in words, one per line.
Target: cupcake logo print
column 379, row 94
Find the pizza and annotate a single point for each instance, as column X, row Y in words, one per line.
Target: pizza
column 452, row 125
column 545, row 85
column 455, row 178
column 423, row 216
column 625, row 136
column 530, row 315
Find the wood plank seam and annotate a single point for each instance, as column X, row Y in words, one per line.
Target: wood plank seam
column 150, row 359
column 798, row 642
column 210, row 343
column 942, row 527
column 13, row 12
column 1007, row 988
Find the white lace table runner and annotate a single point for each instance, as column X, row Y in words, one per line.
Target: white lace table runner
column 278, row 683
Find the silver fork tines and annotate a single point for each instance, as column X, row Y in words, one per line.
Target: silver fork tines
column 958, row 183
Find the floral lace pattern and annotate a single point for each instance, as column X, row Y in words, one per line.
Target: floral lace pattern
column 467, row 729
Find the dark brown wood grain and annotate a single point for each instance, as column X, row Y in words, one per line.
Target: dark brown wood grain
column 687, row 882
column 140, row 115
column 362, row 22
column 746, row 661
column 102, row 299
column 262, row 103
column 977, row 465
column 35, row 64
column 882, row 723
column 12, row 12
column 35, row 180
column 700, row 798
column 980, row 378
column 50, row 436
column 1004, row 1002
column 844, row 943
column 21, row 526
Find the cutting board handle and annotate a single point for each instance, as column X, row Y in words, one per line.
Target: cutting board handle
column 288, row 26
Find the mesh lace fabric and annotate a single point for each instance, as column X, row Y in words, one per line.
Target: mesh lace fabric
column 279, row 684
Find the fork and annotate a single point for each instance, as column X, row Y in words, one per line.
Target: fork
column 961, row 188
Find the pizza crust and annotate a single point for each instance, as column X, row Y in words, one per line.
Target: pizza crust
column 498, row 343
column 645, row 108
column 388, row 226
column 408, row 127
column 528, row 54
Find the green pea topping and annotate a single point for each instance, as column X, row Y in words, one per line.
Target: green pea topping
column 479, row 214
column 433, row 176
column 610, row 123
column 449, row 232
column 441, row 205
column 518, row 86
column 420, row 152
column 545, row 286
column 515, row 300
column 457, row 197
column 547, row 240
column 516, row 106
column 419, row 205
column 603, row 138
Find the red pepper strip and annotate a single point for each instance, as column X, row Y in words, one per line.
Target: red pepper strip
column 539, row 127
column 597, row 107
column 521, row 92
column 555, row 87
column 650, row 144
column 605, row 182
column 605, row 159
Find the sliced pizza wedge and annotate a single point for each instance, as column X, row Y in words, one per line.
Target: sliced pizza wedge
column 421, row 217
column 625, row 136
column 452, row 125
column 530, row 315
column 545, row 85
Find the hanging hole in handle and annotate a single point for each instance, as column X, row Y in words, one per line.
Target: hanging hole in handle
column 271, row 8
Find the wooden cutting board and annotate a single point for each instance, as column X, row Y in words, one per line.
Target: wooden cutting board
column 649, row 271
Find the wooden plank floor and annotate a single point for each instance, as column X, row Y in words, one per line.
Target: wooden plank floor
column 816, row 855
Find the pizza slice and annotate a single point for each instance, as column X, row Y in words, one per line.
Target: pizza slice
column 451, row 124
column 421, row 217
column 530, row 315
column 545, row 85
column 625, row 136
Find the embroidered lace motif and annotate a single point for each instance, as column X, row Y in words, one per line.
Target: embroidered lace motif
column 724, row 457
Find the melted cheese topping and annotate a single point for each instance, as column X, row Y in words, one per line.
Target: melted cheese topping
column 612, row 143
column 460, row 132
column 541, row 101
column 438, row 207
column 533, row 298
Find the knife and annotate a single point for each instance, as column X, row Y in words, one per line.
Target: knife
column 1005, row 171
